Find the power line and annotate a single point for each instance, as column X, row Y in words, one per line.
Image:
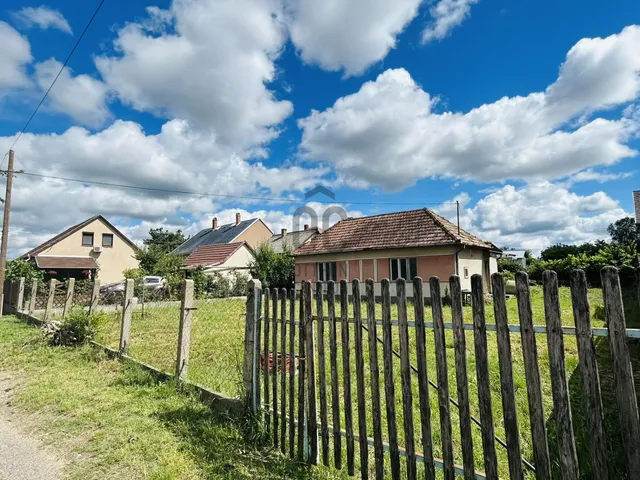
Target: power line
column 54, row 80
column 217, row 195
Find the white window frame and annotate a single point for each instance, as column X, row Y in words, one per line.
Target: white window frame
column 399, row 261
column 325, row 268
column 466, row 272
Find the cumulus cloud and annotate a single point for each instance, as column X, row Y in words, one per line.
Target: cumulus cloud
column 208, row 62
column 15, row 54
column 81, row 97
column 390, row 134
column 446, row 15
column 538, row 215
column 42, row 17
column 352, row 35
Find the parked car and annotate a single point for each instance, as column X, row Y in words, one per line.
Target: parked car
column 149, row 282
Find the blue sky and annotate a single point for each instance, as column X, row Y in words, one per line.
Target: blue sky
column 528, row 113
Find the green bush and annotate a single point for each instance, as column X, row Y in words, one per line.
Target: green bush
column 23, row 268
column 76, row 329
column 509, row 268
column 274, row 270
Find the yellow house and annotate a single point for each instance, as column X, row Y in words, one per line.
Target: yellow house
column 92, row 248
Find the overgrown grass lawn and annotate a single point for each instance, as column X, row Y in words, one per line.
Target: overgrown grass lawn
column 111, row 420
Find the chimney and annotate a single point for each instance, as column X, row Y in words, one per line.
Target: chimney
column 283, row 232
column 214, row 223
column 238, row 220
column 306, row 226
column 636, row 205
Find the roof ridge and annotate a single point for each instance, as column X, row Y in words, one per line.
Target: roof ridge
column 438, row 220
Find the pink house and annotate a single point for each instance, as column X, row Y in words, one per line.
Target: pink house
column 401, row 244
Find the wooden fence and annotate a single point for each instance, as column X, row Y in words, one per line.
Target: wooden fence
column 308, row 400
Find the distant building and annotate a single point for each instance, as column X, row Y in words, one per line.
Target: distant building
column 517, row 256
column 292, row 240
column 222, row 258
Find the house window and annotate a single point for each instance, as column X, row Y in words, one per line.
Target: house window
column 406, row 268
column 327, row 271
column 87, row 239
column 107, row 240
column 466, row 272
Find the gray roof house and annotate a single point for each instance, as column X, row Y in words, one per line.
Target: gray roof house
column 292, row 240
column 253, row 231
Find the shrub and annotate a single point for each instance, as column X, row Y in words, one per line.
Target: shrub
column 274, row 270
column 23, row 268
column 77, row 329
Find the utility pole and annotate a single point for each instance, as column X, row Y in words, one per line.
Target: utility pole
column 5, row 228
column 458, row 214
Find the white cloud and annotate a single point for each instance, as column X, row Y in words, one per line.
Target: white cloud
column 536, row 216
column 15, row 54
column 388, row 133
column 42, row 17
column 590, row 175
column 82, row 97
column 209, row 62
column 446, row 15
column 350, row 35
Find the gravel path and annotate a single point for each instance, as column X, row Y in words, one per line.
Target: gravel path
column 21, row 456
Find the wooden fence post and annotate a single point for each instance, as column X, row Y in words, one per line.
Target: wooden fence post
column 310, row 351
column 274, row 365
column 622, row 372
column 68, row 301
column 48, row 312
column 346, row 375
column 184, row 332
column 293, row 365
column 250, row 369
column 34, row 295
column 333, row 360
column 266, row 363
column 127, row 310
column 283, row 370
column 322, row 374
column 374, row 369
column 360, row 380
column 95, row 296
column 559, row 386
column 20, row 305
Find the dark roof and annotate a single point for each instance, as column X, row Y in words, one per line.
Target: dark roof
column 55, row 261
column 413, row 228
column 52, row 241
column 292, row 240
column 210, row 255
column 223, row 234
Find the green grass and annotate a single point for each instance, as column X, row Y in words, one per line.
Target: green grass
column 217, row 348
column 114, row 420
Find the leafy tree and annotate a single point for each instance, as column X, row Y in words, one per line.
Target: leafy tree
column 623, row 231
column 23, row 268
column 274, row 270
column 160, row 243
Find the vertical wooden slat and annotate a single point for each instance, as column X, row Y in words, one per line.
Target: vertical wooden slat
column 310, row 355
column 258, row 348
column 95, row 296
column 283, row 369
column 20, row 302
column 293, row 366
column 622, row 371
column 274, row 364
column 322, row 375
column 559, row 386
column 359, row 353
column 374, row 370
column 389, row 381
column 250, row 371
column 532, row 375
column 462, row 380
column 589, row 374
column 302, row 413
column 184, row 331
column 265, row 358
column 405, row 374
column 127, row 312
column 509, row 410
column 482, row 373
column 68, row 301
column 48, row 312
column 443, row 379
column 33, row 297
column 346, row 375
column 423, row 379
column 335, row 392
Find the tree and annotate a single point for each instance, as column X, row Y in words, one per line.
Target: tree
column 23, row 268
column 623, row 231
column 160, row 243
column 274, row 270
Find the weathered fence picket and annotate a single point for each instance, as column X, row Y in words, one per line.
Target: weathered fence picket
column 68, row 301
column 48, row 312
column 589, row 374
column 322, row 376
column 333, row 357
column 20, row 301
column 362, row 402
column 33, row 297
column 482, row 372
column 184, row 331
column 127, row 313
column 462, row 381
column 95, row 296
column 317, row 421
column 559, row 386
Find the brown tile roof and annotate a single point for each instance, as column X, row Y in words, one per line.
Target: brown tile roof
column 210, row 255
column 413, row 228
column 53, row 240
column 55, row 261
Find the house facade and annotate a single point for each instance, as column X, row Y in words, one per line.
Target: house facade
column 253, row 232
column 396, row 245
column 223, row 258
column 94, row 248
